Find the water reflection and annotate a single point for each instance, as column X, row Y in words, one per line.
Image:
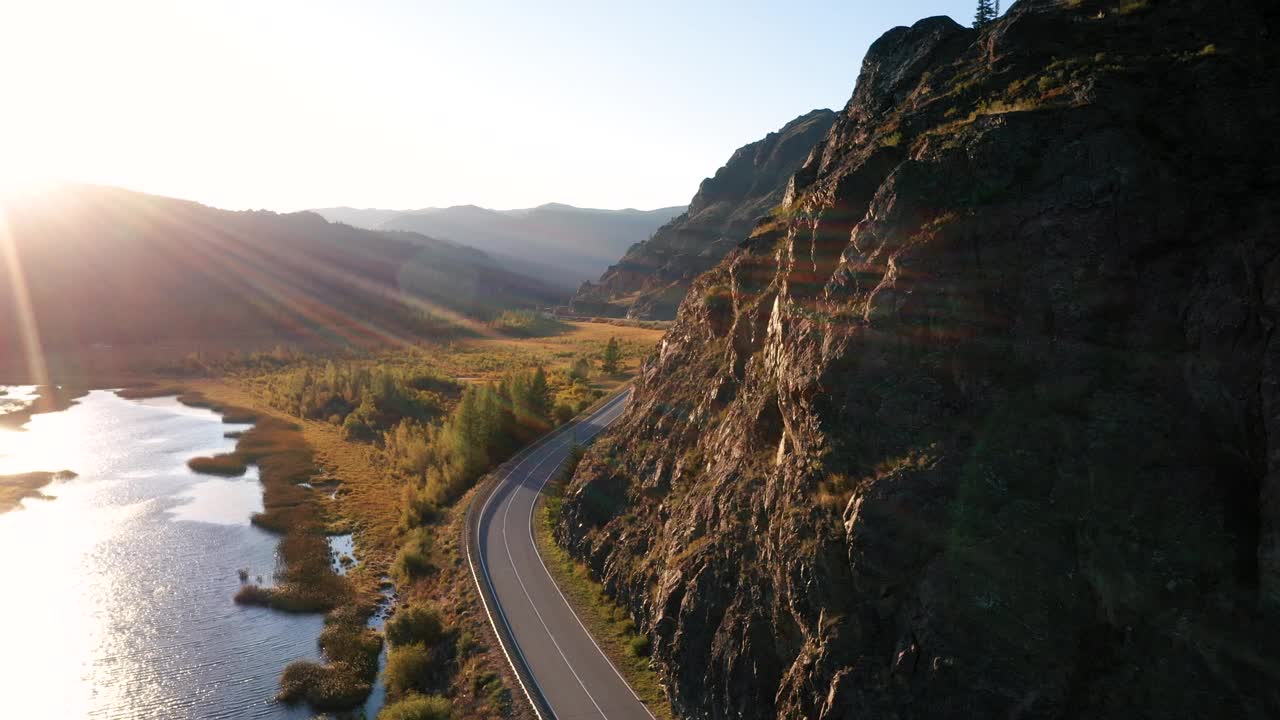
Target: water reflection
column 342, row 553
column 16, row 397
column 117, row 600
column 225, row 501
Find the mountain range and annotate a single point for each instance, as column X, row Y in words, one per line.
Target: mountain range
column 561, row 244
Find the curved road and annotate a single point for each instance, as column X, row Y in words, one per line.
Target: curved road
column 569, row 670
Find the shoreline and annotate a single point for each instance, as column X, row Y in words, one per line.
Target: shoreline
column 16, row 488
column 49, row 399
column 294, row 512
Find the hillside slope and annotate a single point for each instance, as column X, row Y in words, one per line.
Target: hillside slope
column 653, row 277
column 104, row 266
column 986, row 422
column 364, row 218
column 561, row 244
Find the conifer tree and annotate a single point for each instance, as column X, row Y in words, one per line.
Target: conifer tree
column 540, row 394
column 612, row 355
column 986, row 13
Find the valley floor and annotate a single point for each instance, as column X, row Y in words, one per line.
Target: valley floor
column 369, row 487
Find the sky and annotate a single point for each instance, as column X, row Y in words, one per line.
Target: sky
column 287, row 105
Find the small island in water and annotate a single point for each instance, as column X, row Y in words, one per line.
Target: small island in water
column 16, row 488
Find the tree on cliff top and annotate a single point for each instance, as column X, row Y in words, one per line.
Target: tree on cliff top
column 986, row 13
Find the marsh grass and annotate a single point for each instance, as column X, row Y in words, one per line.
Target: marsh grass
column 418, row 707
column 347, row 678
column 408, row 667
column 15, row 488
column 222, row 465
column 306, row 581
column 415, row 624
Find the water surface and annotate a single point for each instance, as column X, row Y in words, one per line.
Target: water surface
column 118, row 593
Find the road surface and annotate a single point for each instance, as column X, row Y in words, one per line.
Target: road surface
column 568, row 669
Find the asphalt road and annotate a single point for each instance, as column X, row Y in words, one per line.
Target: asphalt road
column 568, row 668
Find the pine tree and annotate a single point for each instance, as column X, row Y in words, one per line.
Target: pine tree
column 986, row 13
column 540, row 395
column 612, row 355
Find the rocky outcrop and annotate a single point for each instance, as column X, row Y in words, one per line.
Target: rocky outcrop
column 985, row 421
column 652, row 278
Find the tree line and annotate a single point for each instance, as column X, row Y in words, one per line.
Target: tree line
column 365, row 400
column 490, row 422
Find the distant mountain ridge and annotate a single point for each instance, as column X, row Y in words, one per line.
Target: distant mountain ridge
column 654, row 276
column 106, row 267
column 562, row 244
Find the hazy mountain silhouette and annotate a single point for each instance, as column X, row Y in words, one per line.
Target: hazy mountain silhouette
column 106, row 266
column 561, row 244
column 367, row 218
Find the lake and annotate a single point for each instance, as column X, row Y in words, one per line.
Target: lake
column 117, row 599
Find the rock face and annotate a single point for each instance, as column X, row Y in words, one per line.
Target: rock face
column 985, row 422
column 653, row 277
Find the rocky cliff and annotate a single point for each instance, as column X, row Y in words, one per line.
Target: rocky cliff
column 985, row 422
column 653, row 277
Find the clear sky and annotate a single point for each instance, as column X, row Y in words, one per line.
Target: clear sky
column 289, row 104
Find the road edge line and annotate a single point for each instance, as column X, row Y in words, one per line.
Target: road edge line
column 471, row 527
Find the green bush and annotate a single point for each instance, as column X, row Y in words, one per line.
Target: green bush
column 414, row 625
column 563, row 413
column 408, row 667
column 639, row 646
column 414, row 558
column 355, row 428
column 355, row 646
column 466, row 645
column 417, row 707
column 485, row 683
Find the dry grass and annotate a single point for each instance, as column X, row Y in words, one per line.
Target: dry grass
column 558, row 352
column 224, row 465
column 343, row 682
column 15, row 488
